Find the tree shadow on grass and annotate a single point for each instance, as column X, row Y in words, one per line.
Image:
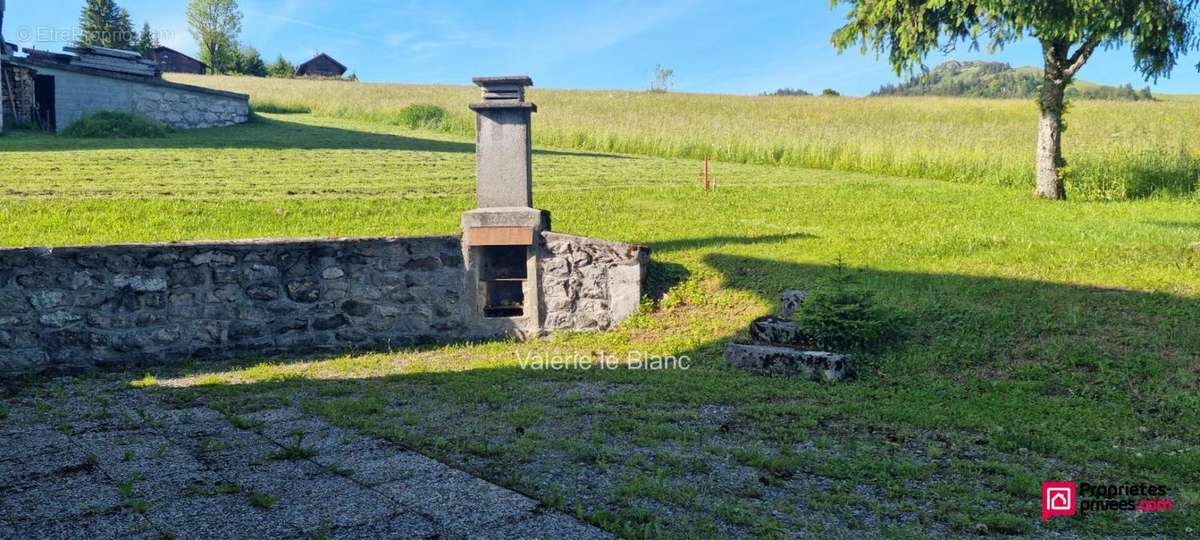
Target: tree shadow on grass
column 1041, row 374
column 1195, row 225
column 1178, row 180
column 684, row 244
column 261, row 133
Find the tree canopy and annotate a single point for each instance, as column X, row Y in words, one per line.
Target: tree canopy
column 102, row 23
column 1159, row 32
column 146, row 40
column 215, row 24
column 281, row 68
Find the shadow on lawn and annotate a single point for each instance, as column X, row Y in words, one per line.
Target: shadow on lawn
column 684, row 244
column 1176, row 224
column 1088, row 341
column 261, row 133
column 1042, row 373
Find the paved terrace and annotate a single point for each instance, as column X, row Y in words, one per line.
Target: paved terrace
column 101, row 460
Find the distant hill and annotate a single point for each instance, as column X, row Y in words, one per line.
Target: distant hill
column 1002, row 81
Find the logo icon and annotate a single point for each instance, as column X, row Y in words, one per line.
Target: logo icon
column 1058, row 499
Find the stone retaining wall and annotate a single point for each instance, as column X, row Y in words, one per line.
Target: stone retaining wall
column 187, row 110
column 589, row 284
column 127, row 305
column 79, row 307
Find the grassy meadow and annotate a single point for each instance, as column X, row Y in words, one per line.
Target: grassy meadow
column 1041, row 340
column 1117, row 150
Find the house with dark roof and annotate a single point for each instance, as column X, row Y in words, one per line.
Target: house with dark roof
column 170, row 60
column 321, row 65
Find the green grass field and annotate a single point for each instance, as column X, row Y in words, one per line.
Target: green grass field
column 1117, row 150
column 1042, row 340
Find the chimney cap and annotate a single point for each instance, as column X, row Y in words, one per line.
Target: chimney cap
column 519, row 80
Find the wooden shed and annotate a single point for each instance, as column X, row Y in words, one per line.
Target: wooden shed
column 321, row 65
column 172, row 61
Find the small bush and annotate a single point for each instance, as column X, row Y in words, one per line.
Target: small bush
column 418, row 116
column 115, row 125
column 843, row 316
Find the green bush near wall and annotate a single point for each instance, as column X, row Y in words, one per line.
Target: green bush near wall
column 115, row 125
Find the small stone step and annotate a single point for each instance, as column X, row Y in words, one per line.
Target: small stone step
column 766, row 359
column 790, row 301
column 775, row 331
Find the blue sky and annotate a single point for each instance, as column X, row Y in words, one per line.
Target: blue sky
column 714, row 46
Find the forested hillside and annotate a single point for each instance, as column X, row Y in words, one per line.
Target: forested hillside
column 998, row 80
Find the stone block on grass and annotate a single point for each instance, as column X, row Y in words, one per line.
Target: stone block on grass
column 767, row 359
column 790, row 301
column 776, row 331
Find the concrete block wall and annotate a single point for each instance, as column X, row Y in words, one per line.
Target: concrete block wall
column 75, row 308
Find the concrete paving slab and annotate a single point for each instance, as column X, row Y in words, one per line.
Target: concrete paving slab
column 221, row 517
column 198, row 475
column 110, row 526
column 127, row 455
column 59, row 498
column 458, row 502
column 400, row 525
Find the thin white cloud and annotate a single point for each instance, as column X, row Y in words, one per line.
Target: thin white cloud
column 598, row 28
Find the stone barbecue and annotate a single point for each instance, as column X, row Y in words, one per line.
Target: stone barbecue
column 507, row 275
column 523, row 278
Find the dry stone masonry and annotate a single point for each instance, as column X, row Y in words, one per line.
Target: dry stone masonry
column 139, row 304
column 777, row 347
column 189, row 109
column 589, row 284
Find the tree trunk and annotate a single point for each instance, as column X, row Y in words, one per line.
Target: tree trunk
column 1050, row 162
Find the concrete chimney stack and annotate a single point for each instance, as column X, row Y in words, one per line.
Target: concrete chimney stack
column 502, row 236
column 503, row 154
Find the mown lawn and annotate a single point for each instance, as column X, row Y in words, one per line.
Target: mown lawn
column 1042, row 341
column 1116, row 149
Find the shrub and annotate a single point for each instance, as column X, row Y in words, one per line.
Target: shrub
column 419, row 116
column 829, row 92
column 843, row 316
column 115, row 125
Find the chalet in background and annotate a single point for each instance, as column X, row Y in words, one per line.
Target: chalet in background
column 172, row 61
column 321, row 65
